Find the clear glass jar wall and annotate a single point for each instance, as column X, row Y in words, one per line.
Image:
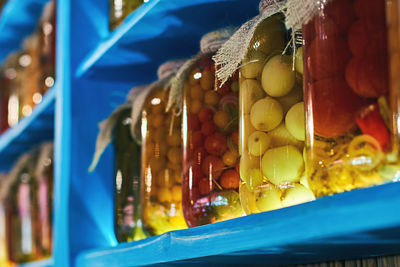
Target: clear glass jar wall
column 161, row 166
column 351, row 102
column 272, row 130
column 210, row 138
column 128, row 220
column 119, row 9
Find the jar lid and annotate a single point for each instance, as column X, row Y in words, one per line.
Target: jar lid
column 169, row 67
column 212, row 41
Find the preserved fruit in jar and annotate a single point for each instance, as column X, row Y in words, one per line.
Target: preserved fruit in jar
column 119, row 9
column 210, row 130
column 351, row 102
column 128, row 220
column 272, row 127
column 161, row 165
column 21, row 212
column 44, row 176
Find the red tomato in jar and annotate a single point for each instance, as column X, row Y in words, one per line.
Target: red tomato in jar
column 196, row 140
column 212, row 165
column 208, row 128
column 198, row 155
column 370, row 9
column 193, row 122
column 206, row 114
column 367, row 38
column 327, row 57
column 206, row 185
column 216, row 144
column 196, row 173
column 230, row 179
column 334, row 106
column 368, row 77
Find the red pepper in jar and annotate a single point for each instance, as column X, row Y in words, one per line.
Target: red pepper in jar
column 370, row 121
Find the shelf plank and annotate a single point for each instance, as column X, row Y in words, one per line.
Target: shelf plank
column 40, row 263
column 157, row 31
column 29, row 132
column 360, row 223
column 18, row 19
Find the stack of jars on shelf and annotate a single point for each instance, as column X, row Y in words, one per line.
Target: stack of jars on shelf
column 252, row 127
column 27, row 75
column 26, row 208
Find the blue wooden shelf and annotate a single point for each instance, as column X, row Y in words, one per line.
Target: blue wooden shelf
column 18, row 19
column 157, row 31
column 29, row 132
column 41, row 263
column 355, row 224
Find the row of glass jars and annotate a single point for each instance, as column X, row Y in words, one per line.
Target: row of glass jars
column 298, row 120
column 27, row 75
column 26, row 208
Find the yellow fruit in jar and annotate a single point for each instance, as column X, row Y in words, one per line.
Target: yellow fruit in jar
column 164, row 178
column 229, row 158
column 295, row 96
column 250, row 92
column 157, row 120
column 175, row 155
column 280, row 136
column 252, row 64
column 156, row 164
column 246, row 129
column 164, row 195
column 257, row 143
column 269, row 36
column 177, row 193
column 299, row 60
column 196, row 92
column 221, row 119
column 304, row 180
column 295, row 121
column 269, row 199
column 177, row 175
column 196, row 106
column 178, row 222
column 282, row 165
column 278, row 78
column 211, row 98
column 158, row 135
column 248, row 162
column 247, row 199
column 296, row 195
column 266, row 114
column 254, row 179
column 194, row 76
column 174, row 139
column 207, row 80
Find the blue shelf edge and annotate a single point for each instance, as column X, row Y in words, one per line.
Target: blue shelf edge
column 25, row 127
column 328, row 228
column 18, row 19
column 40, row 263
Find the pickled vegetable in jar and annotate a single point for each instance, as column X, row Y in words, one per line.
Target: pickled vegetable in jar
column 21, row 212
column 128, row 209
column 210, row 130
column 161, row 157
column 128, row 225
column 351, row 102
column 119, row 9
column 44, row 176
column 47, row 45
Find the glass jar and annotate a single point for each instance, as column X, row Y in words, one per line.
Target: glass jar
column 161, row 165
column 351, row 104
column 272, row 134
column 47, row 45
column 128, row 220
column 44, row 176
column 29, row 61
column 119, row 9
column 21, row 215
column 210, row 146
